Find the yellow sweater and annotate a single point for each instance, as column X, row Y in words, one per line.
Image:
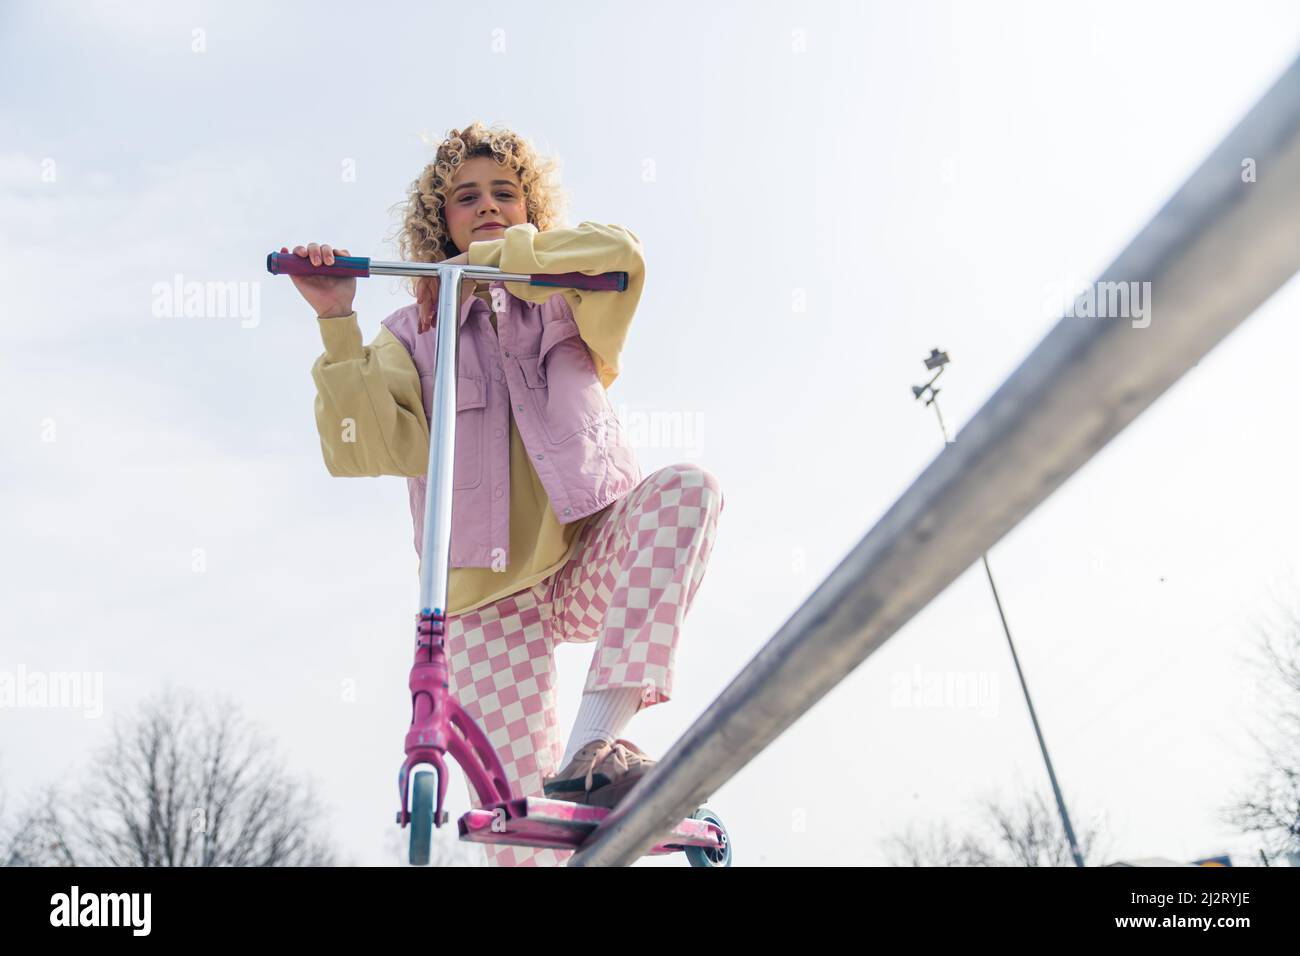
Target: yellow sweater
column 378, row 388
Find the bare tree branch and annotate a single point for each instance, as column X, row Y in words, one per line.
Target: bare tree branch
column 1024, row 833
column 1269, row 805
column 178, row 785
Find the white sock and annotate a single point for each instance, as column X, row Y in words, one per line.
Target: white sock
column 603, row 714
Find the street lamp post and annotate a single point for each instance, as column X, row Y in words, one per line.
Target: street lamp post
column 939, row 360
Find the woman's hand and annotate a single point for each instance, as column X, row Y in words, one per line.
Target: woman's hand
column 426, row 292
column 330, row 296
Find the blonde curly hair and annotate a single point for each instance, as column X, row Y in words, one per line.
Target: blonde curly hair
column 423, row 235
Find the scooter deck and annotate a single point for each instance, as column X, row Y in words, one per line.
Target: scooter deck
column 536, row 821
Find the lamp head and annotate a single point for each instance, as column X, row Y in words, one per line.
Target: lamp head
column 936, row 360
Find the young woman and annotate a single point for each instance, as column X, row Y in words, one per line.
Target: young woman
column 556, row 536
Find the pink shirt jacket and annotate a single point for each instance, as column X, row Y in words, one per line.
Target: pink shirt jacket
column 548, row 363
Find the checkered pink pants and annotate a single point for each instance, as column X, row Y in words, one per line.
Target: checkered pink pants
column 627, row 587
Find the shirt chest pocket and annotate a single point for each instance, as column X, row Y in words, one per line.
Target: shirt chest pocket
column 471, row 421
column 561, row 378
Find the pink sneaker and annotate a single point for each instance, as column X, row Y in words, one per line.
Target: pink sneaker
column 600, row 774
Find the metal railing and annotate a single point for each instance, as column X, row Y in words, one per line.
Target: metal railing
column 1226, row 241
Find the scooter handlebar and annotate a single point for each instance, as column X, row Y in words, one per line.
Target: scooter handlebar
column 604, row 282
column 345, row 267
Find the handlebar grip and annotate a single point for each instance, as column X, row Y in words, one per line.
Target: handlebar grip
column 605, row 282
column 344, row 267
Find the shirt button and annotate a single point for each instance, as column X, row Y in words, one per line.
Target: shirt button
column 519, row 408
column 540, row 457
column 499, row 375
column 500, row 432
column 498, row 493
column 568, row 510
column 507, row 355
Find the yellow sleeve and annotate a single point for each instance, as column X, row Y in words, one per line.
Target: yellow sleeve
column 603, row 318
column 369, row 410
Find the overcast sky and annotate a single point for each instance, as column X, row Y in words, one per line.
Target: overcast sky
column 824, row 192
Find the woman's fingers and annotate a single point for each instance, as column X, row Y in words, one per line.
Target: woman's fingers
column 319, row 253
column 426, row 313
column 422, row 300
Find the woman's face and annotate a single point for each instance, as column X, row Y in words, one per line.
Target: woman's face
column 484, row 192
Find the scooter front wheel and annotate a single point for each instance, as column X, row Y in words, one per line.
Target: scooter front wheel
column 421, row 818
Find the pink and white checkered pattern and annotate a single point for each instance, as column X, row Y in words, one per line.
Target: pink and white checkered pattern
column 628, row 587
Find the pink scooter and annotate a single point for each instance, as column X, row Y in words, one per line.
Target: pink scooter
column 438, row 722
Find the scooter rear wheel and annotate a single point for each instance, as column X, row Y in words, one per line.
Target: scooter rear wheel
column 705, row 856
